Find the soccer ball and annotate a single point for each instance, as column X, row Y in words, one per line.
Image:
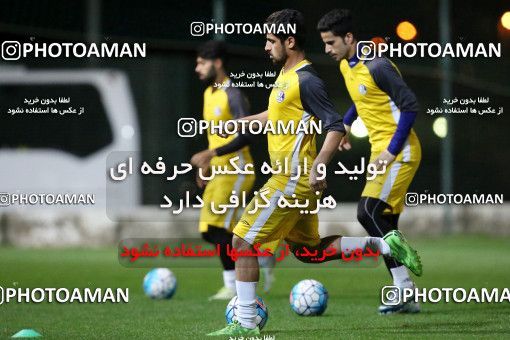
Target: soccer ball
column 159, row 283
column 309, row 297
column 262, row 312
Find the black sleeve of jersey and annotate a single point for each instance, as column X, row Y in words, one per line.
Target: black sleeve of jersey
column 315, row 100
column 236, row 144
column 388, row 79
column 238, row 103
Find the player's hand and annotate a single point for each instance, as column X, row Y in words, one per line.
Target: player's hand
column 345, row 143
column 203, row 158
column 201, row 183
column 316, row 184
column 385, row 158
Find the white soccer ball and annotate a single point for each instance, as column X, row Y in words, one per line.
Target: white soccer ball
column 262, row 312
column 308, row 298
column 160, row 283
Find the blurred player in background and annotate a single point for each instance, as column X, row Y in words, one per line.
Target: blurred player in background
column 388, row 108
column 223, row 103
column 301, row 98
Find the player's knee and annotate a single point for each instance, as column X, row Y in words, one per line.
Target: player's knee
column 217, row 235
column 363, row 216
column 206, row 237
column 240, row 244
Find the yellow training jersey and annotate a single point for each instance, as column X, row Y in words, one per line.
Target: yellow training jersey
column 299, row 95
column 380, row 95
column 222, row 104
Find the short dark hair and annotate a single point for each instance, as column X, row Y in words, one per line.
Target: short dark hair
column 213, row 49
column 338, row 21
column 292, row 17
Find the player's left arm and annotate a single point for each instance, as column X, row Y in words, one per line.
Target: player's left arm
column 315, row 100
column 389, row 80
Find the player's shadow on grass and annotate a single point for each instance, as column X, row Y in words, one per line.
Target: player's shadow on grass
column 413, row 329
column 434, row 327
column 452, row 309
column 299, row 333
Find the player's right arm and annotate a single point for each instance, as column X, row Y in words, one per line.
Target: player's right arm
column 261, row 117
column 349, row 117
column 316, row 101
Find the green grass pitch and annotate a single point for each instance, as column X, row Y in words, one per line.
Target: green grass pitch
column 354, row 297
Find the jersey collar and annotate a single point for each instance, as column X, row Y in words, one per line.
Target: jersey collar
column 302, row 63
column 354, row 60
column 226, row 83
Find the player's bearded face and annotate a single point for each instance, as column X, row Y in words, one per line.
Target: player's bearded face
column 205, row 70
column 334, row 46
column 276, row 50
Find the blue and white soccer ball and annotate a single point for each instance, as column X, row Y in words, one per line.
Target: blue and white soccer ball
column 262, row 312
column 308, row 298
column 160, row 283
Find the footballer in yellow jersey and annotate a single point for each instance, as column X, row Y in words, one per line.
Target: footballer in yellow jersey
column 299, row 95
column 221, row 103
column 388, row 108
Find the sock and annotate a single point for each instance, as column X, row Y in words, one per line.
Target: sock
column 348, row 244
column 267, row 261
column 247, row 308
column 229, row 279
column 401, row 276
column 268, row 271
column 267, row 264
column 383, row 246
